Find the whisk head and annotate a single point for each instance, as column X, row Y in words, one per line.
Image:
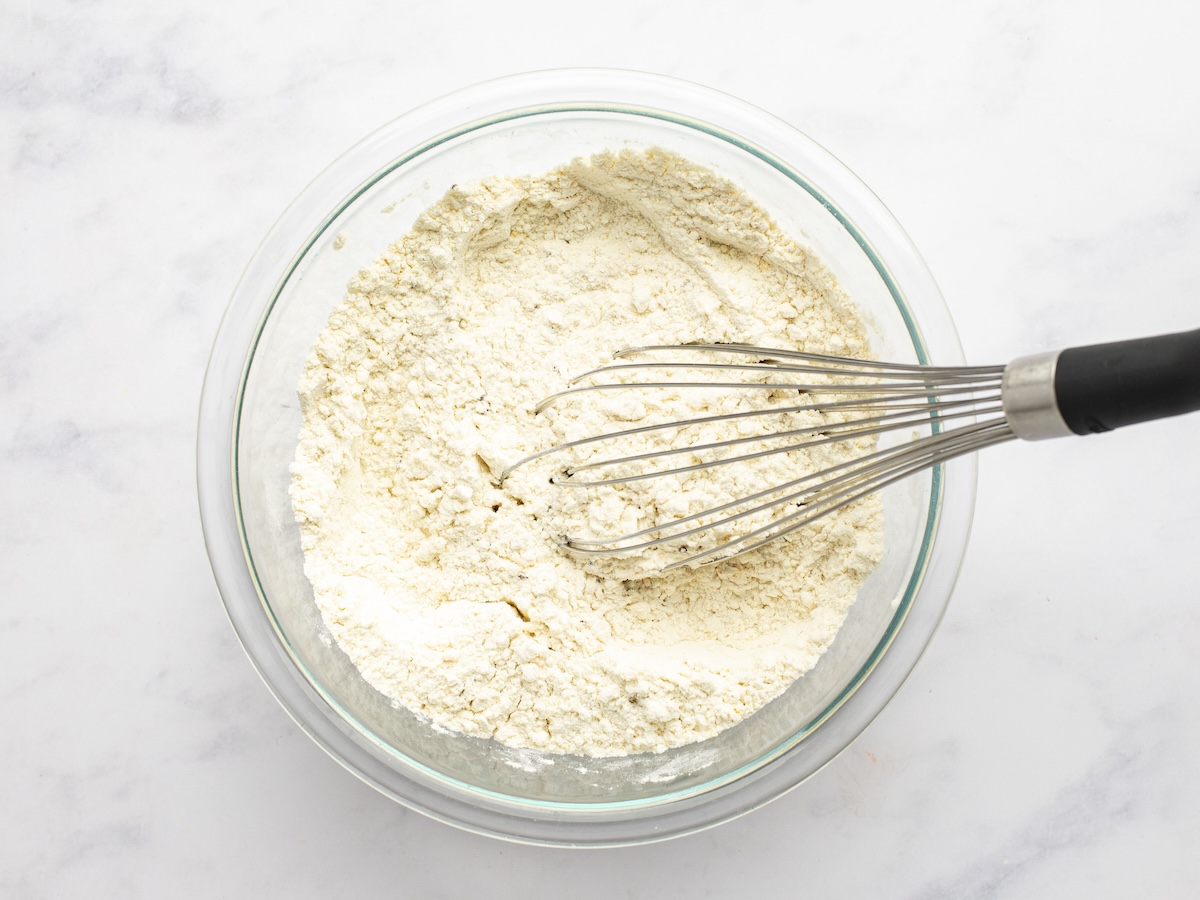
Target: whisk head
column 828, row 422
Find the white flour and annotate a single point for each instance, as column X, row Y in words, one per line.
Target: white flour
column 448, row 590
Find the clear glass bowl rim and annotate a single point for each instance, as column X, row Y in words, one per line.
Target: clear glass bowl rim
column 310, row 214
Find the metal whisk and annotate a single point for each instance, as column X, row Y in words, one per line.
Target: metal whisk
column 949, row 411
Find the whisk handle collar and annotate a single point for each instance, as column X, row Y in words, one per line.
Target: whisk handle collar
column 1106, row 386
column 1028, row 396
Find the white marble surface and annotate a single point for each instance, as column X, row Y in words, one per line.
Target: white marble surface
column 1045, row 156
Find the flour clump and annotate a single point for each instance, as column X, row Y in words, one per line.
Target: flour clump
column 448, row 588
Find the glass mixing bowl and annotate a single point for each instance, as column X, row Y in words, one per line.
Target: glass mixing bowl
column 250, row 418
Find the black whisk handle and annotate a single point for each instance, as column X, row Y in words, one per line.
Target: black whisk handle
column 1106, row 386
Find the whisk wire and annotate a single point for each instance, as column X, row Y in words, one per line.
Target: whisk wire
column 777, row 367
column 959, row 408
column 910, row 388
column 853, row 432
column 854, row 472
column 770, row 353
column 793, row 522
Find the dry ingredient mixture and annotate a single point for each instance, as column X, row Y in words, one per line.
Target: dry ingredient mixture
column 450, row 590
